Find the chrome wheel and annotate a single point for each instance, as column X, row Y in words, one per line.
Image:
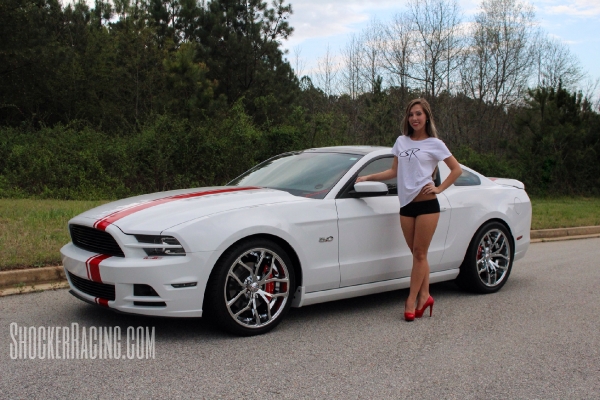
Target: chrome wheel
column 493, row 258
column 488, row 260
column 257, row 288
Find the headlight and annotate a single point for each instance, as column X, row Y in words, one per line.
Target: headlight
column 163, row 245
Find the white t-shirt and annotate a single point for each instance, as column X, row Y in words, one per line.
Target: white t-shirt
column 417, row 160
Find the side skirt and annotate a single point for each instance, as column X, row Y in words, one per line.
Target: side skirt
column 301, row 298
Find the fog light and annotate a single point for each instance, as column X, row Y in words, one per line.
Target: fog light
column 144, row 290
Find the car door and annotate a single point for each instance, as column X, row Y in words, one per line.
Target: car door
column 371, row 244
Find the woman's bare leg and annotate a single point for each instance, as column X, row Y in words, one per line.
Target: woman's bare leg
column 418, row 233
column 408, row 229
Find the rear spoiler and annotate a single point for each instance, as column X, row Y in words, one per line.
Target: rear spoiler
column 508, row 182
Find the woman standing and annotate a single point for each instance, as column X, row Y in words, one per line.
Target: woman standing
column 417, row 152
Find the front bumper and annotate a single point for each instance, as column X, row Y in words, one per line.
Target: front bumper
column 91, row 277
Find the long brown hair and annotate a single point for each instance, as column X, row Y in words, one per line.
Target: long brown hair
column 430, row 128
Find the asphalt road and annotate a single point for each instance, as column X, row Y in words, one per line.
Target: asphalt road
column 538, row 337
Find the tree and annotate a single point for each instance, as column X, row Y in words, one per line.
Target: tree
column 437, row 42
column 556, row 65
column 240, row 43
column 497, row 63
column 371, row 56
column 398, row 50
column 30, row 50
column 189, row 92
column 162, row 17
column 350, row 75
column 559, row 142
column 326, row 76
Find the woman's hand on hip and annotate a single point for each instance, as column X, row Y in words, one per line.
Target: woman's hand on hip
column 430, row 189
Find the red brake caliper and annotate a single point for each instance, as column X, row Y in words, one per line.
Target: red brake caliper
column 269, row 287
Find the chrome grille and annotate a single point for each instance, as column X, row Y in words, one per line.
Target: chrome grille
column 95, row 289
column 95, row 240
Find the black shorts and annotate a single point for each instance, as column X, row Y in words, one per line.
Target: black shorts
column 417, row 208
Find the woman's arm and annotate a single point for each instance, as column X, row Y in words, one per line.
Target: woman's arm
column 381, row 176
column 455, row 171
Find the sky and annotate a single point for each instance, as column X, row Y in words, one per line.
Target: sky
column 319, row 24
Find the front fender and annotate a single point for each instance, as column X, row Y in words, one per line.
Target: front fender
column 301, row 224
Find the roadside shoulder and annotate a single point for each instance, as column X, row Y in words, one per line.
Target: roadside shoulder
column 31, row 280
column 49, row 278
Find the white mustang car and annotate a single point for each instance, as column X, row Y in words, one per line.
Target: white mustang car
column 293, row 231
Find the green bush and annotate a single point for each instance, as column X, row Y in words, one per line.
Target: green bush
column 491, row 165
column 67, row 162
column 166, row 153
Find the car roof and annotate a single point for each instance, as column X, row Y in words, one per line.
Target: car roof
column 363, row 150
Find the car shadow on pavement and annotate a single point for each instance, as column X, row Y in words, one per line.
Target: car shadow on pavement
column 168, row 328
column 371, row 303
column 379, row 305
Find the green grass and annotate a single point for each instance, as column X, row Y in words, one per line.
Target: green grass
column 565, row 212
column 33, row 231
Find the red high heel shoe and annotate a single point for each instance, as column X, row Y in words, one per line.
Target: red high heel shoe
column 408, row 316
column 428, row 303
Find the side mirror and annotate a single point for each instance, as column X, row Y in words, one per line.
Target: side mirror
column 370, row 189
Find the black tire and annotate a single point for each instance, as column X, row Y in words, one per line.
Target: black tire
column 488, row 261
column 251, row 288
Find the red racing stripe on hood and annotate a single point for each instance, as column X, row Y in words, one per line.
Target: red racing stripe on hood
column 117, row 215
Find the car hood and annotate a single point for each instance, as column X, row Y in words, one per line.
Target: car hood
column 153, row 213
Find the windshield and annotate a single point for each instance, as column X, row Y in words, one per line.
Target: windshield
column 301, row 174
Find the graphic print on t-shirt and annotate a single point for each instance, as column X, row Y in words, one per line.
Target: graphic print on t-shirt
column 416, row 164
column 409, row 153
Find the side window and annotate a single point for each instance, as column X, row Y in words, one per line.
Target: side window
column 380, row 165
column 467, row 179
